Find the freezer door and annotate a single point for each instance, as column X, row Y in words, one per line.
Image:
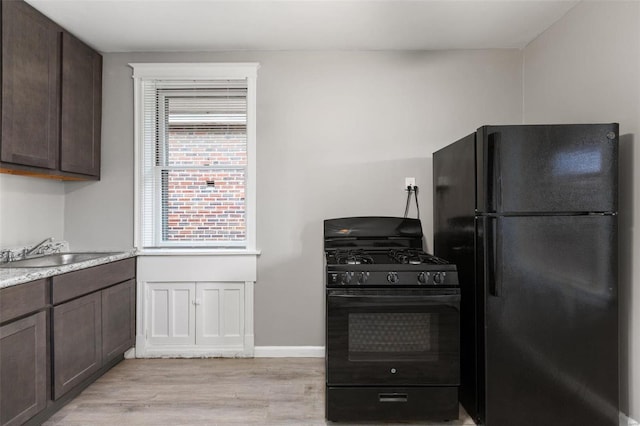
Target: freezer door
column 551, row 333
column 547, row 168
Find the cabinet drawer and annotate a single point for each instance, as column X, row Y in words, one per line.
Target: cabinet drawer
column 22, row 299
column 85, row 281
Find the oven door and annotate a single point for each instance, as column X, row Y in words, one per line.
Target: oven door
column 393, row 336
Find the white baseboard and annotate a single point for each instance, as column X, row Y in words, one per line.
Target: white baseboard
column 627, row 421
column 130, row 353
column 187, row 351
column 289, row 351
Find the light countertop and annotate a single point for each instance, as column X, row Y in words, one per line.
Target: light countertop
column 12, row 276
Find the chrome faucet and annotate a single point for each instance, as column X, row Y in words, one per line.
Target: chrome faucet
column 6, row 256
column 37, row 249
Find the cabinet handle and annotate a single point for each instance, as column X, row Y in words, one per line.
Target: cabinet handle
column 393, row 397
column 196, row 302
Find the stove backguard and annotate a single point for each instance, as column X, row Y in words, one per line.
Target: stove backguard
column 373, row 232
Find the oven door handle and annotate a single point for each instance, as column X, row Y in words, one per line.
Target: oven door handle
column 431, row 299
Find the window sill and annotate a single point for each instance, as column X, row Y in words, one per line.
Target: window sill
column 197, row 252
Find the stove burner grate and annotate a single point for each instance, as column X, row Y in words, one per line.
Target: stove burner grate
column 352, row 257
column 415, row 257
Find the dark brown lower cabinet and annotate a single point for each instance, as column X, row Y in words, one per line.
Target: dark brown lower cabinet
column 93, row 321
column 23, row 369
column 59, row 334
column 118, row 319
column 77, row 342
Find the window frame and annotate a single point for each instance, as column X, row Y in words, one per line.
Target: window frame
column 195, row 71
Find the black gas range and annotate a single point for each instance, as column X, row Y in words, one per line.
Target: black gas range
column 392, row 348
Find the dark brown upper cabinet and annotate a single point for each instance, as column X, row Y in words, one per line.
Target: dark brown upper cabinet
column 81, row 107
column 51, row 98
column 30, row 87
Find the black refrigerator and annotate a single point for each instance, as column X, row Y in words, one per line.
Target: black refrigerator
column 528, row 213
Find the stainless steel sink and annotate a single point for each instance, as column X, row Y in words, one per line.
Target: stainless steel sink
column 56, row 259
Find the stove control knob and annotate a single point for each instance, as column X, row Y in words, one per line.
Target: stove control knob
column 438, row 278
column 392, row 277
column 346, row 277
column 363, row 277
column 423, row 277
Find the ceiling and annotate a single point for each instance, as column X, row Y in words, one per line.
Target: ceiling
column 216, row 25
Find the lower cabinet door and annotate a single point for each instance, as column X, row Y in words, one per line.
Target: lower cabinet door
column 171, row 314
column 77, row 341
column 118, row 319
column 23, row 369
column 220, row 314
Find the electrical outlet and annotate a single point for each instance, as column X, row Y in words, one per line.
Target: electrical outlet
column 409, row 181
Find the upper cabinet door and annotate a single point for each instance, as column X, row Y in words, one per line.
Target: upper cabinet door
column 81, row 107
column 30, row 87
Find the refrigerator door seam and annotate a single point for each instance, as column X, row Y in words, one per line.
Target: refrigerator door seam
column 528, row 214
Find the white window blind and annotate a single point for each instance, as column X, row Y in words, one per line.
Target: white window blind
column 194, row 163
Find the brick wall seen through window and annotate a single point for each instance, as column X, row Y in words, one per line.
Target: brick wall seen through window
column 203, row 204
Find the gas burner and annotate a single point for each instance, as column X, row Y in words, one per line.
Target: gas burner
column 352, row 257
column 415, row 257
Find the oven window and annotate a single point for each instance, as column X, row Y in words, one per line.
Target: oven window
column 393, row 336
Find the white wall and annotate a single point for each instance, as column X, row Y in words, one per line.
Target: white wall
column 586, row 68
column 337, row 134
column 99, row 215
column 31, row 209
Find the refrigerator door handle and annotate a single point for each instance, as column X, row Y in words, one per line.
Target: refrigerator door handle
column 493, row 173
column 491, row 278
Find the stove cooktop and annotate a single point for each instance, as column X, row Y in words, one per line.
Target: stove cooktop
column 387, row 267
column 382, row 257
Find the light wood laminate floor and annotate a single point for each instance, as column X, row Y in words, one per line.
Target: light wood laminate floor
column 265, row 391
